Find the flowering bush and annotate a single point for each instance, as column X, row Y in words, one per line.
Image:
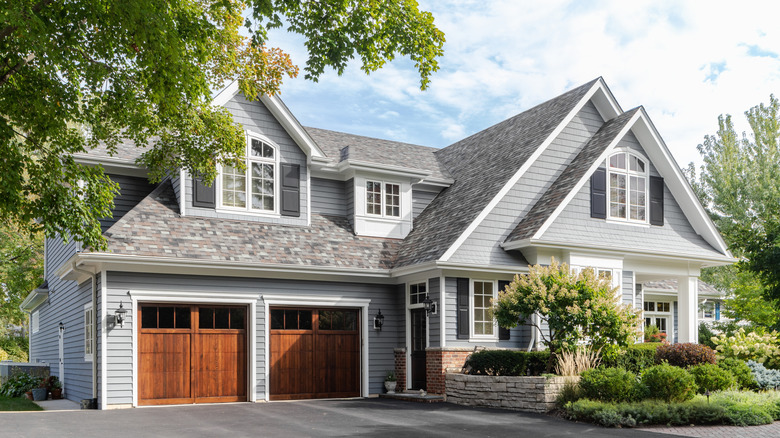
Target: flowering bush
column 762, row 348
column 653, row 334
column 684, row 355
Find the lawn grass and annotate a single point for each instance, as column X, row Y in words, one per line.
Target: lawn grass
column 17, row 404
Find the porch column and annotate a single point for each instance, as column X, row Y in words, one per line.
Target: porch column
column 688, row 309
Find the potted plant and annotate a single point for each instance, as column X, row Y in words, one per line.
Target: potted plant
column 390, row 382
column 40, row 393
column 55, row 387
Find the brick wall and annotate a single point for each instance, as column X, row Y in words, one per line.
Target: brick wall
column 400, row 369
column 438, row 360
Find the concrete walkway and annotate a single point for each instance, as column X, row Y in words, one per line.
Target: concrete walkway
column 766, row 431
column 59, row 405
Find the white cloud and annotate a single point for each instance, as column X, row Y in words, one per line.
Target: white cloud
column 685, row 62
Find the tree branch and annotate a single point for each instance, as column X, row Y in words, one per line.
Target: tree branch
column 15, row 69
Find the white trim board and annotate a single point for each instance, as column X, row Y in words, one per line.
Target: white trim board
column 318, row 301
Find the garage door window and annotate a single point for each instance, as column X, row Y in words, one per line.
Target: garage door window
column 165, row 317
column 221, row 318
column 338, row 320
column 287, row 319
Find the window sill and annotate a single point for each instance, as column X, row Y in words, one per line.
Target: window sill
column 628, row 222
column 483, row 339
column 269, row 215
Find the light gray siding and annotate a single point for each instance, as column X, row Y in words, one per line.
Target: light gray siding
column 483, row 245
column 381, row 343
column 434, row 321
column 131, row 191
column 254, row 116
column 574, row 225
column 328, row 197
column 519, row 337
column 420, row 200
column 628, row 288
column 349, row 195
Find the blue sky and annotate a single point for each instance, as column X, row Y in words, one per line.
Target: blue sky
column 686, row 62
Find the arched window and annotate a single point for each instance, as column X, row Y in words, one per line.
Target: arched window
column 258, row 180
column 627, row 187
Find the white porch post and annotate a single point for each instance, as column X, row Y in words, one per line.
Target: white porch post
column 688, row 309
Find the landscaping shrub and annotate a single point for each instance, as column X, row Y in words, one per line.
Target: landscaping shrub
column 610, row 384
column 760, row 347
column 741, row 372
column 744, row 408
column 536, row 362
column 570, row 392
column 712, row 378
column 654, row 334
column 669, row 383
column 765, row 378
column 645, row 412
column 498, row 363
column 706, row 334
column 684, row 355
column 572, row 363
column 18, row 384
column 634, row 358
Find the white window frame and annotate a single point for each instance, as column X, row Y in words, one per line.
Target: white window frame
column 628, row 173
column 472, row 321
column 248, row 160
column 35, row 321
column 703, row 310
column 409, row 294
column 383, row 196
column 89, row 338
column 659, row 314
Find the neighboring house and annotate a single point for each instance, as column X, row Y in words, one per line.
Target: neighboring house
column 660, row 305
column 268, row 284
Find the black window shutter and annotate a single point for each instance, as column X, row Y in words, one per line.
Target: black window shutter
column 463, row 308
column 598, row 194
column 202, row 195
column 503, row 333
column 291, row 190
column 656, row 200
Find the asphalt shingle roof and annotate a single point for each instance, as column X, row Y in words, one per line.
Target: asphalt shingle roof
column 341, row 146
column 154, row 228
column 125, row 151
column 481, row 165
column 566, row 181
column 671, row 285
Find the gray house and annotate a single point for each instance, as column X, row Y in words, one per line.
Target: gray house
column 308, row 274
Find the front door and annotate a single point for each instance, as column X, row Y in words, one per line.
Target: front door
column 418, row 349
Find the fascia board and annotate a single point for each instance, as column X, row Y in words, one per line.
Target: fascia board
column 174, row 265
column 282, row 115
column 112, row 165
column 34, row 299
column 658, row 255
column 364, row 166
column 678, row 185
column 551, row 219
column 599, row 85
column 605, row 102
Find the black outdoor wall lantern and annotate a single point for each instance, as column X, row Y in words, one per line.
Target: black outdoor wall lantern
column 379, row 319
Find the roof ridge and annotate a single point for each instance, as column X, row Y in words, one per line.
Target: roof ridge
column 372, row 138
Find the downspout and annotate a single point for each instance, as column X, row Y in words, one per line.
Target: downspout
column 93, row 277
column 533, row 332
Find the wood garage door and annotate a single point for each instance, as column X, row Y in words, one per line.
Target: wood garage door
column 315, row 353
column 191, row 354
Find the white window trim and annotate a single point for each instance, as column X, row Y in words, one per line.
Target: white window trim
column 658, row 314
column 35, row 318
column 628, row 173
column 383, row 199
column 409, row 284
column 472, row 336
column 89, row 337
column 248, row 160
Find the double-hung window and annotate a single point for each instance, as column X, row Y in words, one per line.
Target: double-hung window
column 627, row 189
column 482, row 294
column 255, row 188
column 657, row 313
column 89, row 327
column 383, row 199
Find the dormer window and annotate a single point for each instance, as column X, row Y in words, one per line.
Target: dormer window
column 254, row 189
column 627, row 189
column 383, row 199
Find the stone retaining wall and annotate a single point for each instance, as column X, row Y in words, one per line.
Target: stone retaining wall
column 530, row 394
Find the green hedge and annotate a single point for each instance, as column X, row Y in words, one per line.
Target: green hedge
column 684, row 355
column 634, row 358
column 508, row 363
column 727, row 407
column 610, row 384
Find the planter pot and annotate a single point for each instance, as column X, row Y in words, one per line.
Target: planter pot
column 39, row 394
column 56, row 393
column 390, row 387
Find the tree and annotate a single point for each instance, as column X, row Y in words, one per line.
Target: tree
column 78, row 74
column 739, row 185
column 21, row 270
column 577, row 307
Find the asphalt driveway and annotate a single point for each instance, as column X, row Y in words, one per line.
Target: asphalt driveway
column 318, row 418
